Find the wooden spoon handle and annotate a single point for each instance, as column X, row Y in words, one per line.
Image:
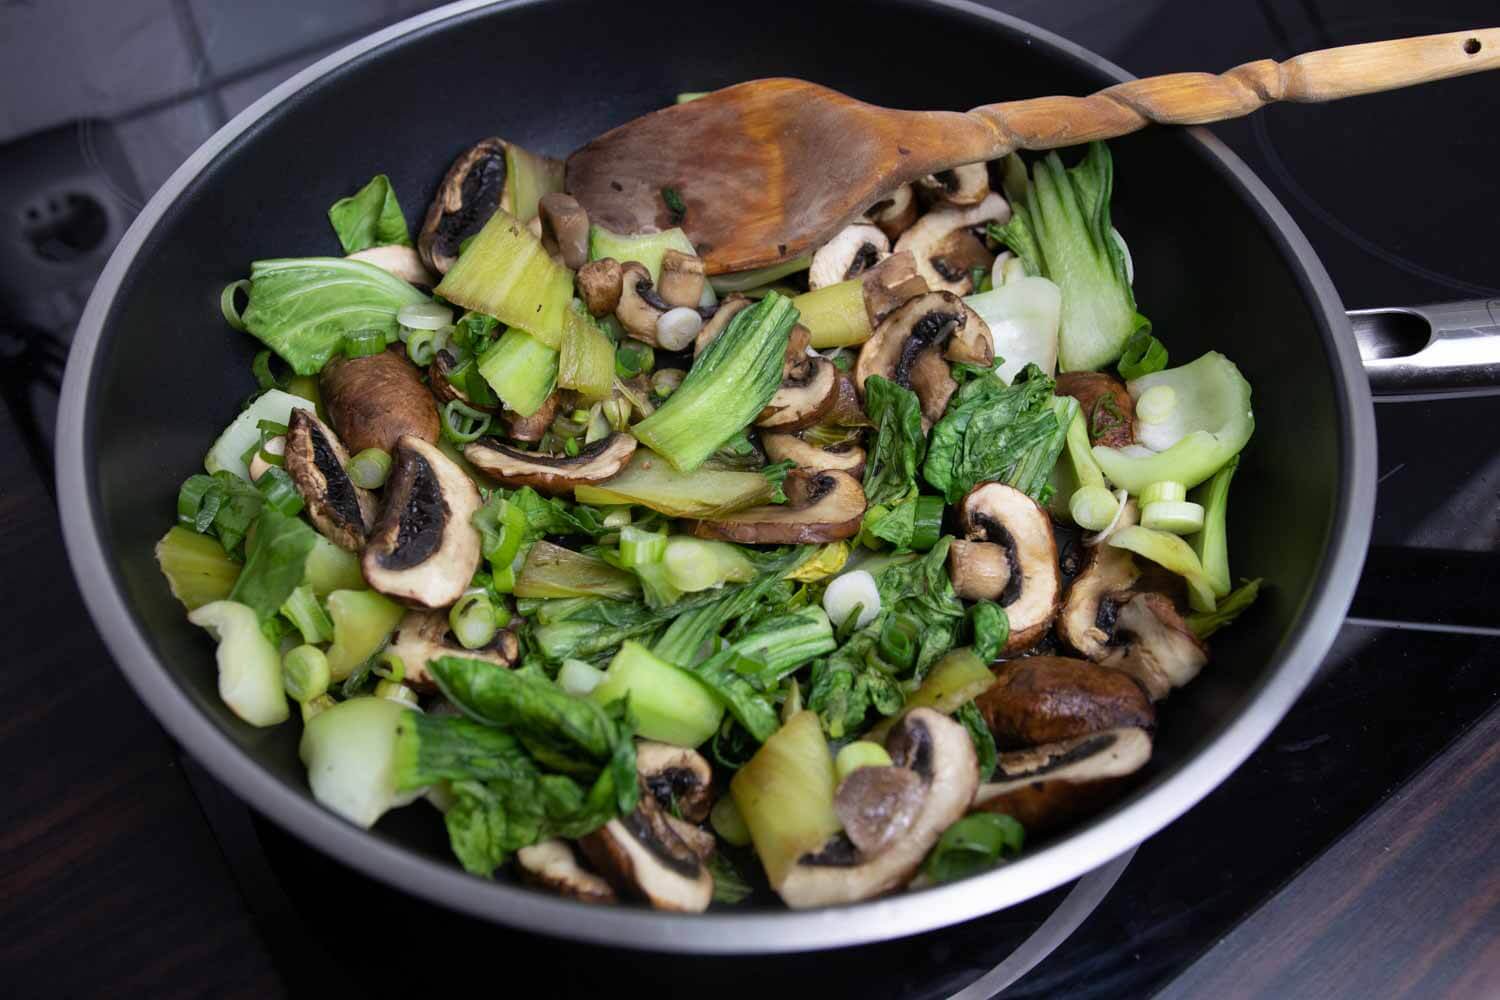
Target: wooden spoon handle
column 1198, row 98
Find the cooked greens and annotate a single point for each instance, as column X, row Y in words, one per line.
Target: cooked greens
column 371, row 217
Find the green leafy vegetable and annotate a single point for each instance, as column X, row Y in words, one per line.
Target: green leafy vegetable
column 302, row 308
column 975, row 843
column 554, row 571
column 274, row 563
column 891, row 468
column 991, row 626
column 700, row 623
column 669, row 704
column 1061, row 230
column 222, row 505
column 730, row 886
column 371, row 217
column 1206, row 623
column 1143, row 355
column 979, row 733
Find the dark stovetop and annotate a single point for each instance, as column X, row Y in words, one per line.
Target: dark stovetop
column 1409, row 675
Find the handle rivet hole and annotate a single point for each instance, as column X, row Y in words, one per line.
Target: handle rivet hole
column 1472, row 46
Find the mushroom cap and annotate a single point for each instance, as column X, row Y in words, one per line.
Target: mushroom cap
column 315, row 459
column 890, row 284
column 848, row 458
column 553, row 474
column 566, row 225
column 643, row 856
column 599, row 285
column 804, row 398
column 1087, row 621
column 907, row 348
column 374, row 401
column 896, row 212
column 551, row 864
column 534, row 427
column 716, row 324
column 1004, row 515
column 941, row 755
column 823, row 506
column 1163, row 652
column 877, row 805
column 1108, row 409
column 423, row 635
column 424, row 549
column 676, row 774
column 1049, row 786
column 682, row 279
column 852, row 251
column 980, row 571
column 929, row 242
column 965, row 185
column 1044, row 699
column 474, row 187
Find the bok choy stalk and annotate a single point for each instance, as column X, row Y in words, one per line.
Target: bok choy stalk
column 228, row 451
column 669, row 704
column 197, row 568
column 1061, row 230
column 302, row 308
column 349, row 751
column 371, row 217
column 732, row 381
column 553, row 571
column 249, row 664
column 1206, row 623
column 785, row 794
column 586, row 362
column 1212, row 543
column 505, row 272
column 521, row 369
column 1024, row 315
column 704, row 493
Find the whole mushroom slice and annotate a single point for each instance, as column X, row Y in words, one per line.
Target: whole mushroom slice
column 476, row 185
column 965, row 185
column 551, row 864
column 899, row 815
column 1050, row 786
column 1044, row 699
column 907, row 348
column 315, row 459
column 895, row 213
column 821, row 506
column 890, row 284
column 682, row 279
column 1087, row 621
column 552, row 474
column 424, row 549
column 1108, row 410
column 676, row 776
column 729, row 307
column 374, row 401
column 945, row 250
column 565, row 228
column 804, row 398
column 848, row 458
column 1004, row 516
column 402, row 262
column 642, row 856
column 423, row 635
column 641, row 307
column 852, row 251
column 1159, row 650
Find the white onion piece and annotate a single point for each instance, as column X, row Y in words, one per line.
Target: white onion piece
column 847, row 590
column 677, row 327
column 1122, row 496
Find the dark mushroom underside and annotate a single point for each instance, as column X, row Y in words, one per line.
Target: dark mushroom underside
column 419, row 518
column 481, row 189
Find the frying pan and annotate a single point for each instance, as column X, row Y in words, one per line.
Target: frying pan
column 1220, row 265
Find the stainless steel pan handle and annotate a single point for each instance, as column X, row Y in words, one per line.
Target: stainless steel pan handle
column 1431, row 352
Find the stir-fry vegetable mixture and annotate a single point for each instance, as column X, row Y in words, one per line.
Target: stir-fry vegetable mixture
column 838, row 578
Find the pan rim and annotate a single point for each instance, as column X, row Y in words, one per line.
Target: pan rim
column 1299, row 653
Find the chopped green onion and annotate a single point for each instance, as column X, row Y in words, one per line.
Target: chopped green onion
column 852, row 598
column 399, row 693
column 421, row 347
column 579, row 678
column 389, row 666
column 462, row 423
column 1180, row 517
column 1165, row 490
column 860, row 753
column 617, row 518
column 473, row 620
column 666, row 381
column 570, row 447
column 900, row 636
column 369, row 468
column 976, row 842
column 502, row 527
column 264, row 376
column 307, row 614
column 363, row 343
column 231, row 291
column 634, row 358
column 1156, row 404
column 424, row 316
column 639, row 547
column 279, row 491
column 1143, row 355
column 304, row 673
column 927, row 522
column 1093, row 507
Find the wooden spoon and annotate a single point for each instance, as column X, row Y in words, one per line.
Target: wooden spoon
column 770, row 169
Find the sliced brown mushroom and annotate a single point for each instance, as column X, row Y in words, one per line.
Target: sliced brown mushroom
column 1087, row 621
column 852, row 251
column 551, row 864
column 946, row 250
column 1044, row 699
column 682, row 279
column 907, row 348
column 676, row 776
column 599, row 284
column 423, row 635
column 980, row 571
column 1159, row 650
column 1003, row 515
column 1108, row 410
column 403, row 262
column 640, row 306
column 729, row 307
column 891, row 284
column 1050, row 786
column 553, row 474
column 965, row 185
column 797, row 343
column 804, row 397
column 534, row 427
column 424, row 549
column 848, row 458
column 315, row 459
column 643, row 856
column 936, row 751
column 895, row 213
column 477, row 184
column 821, row 507
column 565, row 228
column 374, row 401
